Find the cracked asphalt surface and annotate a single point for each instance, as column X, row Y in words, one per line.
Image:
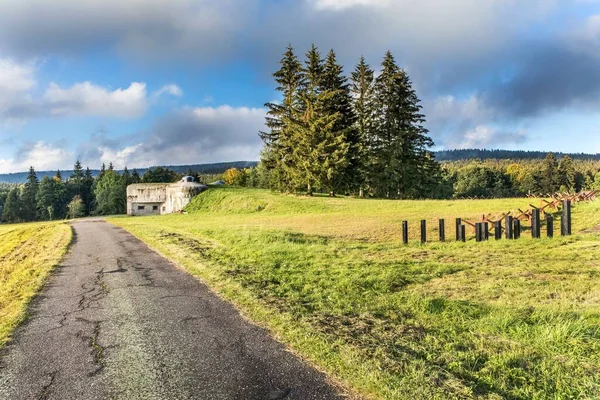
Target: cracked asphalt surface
column 118, row 321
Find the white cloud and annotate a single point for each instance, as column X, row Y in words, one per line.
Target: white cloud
column 468, row 123
column 41, row 155
column 485, row 136
column 187, row 136
column 15, row 77
column 88, row 99
column 338, row 5
column 171, row 89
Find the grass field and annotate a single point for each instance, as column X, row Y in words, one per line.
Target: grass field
column 330, row 277
column 28, row 252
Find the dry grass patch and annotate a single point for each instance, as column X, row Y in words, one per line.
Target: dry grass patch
column 28, row 252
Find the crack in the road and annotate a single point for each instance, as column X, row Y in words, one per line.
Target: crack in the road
column 85, row 301
column 45, row 392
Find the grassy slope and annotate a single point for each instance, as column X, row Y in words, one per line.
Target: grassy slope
column 27, row 254
column 330, row 277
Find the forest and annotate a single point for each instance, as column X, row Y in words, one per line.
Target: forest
column 79, row 194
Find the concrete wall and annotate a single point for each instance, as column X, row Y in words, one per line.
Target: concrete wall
column 144, row 208
column 169, row 197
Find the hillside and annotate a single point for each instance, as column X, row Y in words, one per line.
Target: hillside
column 213, row 168
column 483, row 154
column 331, row 278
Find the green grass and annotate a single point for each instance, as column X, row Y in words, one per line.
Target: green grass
column 28, row 252
column 330, row 277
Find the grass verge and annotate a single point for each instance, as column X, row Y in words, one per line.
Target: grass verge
column 494, row 320
column 28, row 252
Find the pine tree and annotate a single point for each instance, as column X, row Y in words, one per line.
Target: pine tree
column 346, row 175
column 102, row 170
column 278, row 144
column 400, row 147
column 135, row 176
column 110, row 166
column 549, row 178
column 307, row 125
column 47, row 199
column 28, row 197
column 77, row 174
column 58, row 175
column 363, row 94
column 87, row 195
column 12, row 207
column 126, row 177
column 566, row 174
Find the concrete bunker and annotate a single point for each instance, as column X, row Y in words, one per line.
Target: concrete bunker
column 161, row 198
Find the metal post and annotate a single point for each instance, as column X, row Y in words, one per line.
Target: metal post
column 463, row 233
column 478, row 231
column 458, row 228
column 498, row 230
column 535, row 223
column 508, row 224
column 486, row 230
column 442, row 230
column 517, row 229
column 405, row 232
column 549, row 225
column 423, row 231
column 565, row 229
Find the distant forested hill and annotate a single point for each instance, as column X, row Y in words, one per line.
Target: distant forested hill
column 214, row 168
column 482, row 154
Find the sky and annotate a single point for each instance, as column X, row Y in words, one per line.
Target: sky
column 152, row 82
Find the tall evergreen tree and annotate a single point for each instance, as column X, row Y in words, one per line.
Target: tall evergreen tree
column 566, row 174
column 135, row 176
column 12, row 207
column 363, row 95
column 549, row 179
column 278, row 143
column 400, row 145
column 307, row 124
column 28, row 197
column 345, row 171
column 47, row 199
column 87, row 195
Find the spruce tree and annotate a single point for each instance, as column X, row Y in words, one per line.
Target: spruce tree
column 87, row 195
column 306, row 126
column 549, row 179
column 135, row 176
column 363, row 94
column 47, row 199
column 400, row 145
column 12, row 207
column 566, row 174
column 28, row 197
column 346, row 171
column 278, row 143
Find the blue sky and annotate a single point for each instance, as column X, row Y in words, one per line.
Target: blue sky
column 149, row 82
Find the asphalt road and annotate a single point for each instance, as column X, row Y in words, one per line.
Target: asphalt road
column 118, row 321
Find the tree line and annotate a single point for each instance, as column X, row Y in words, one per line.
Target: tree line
column 484, row 154
column 78, row 195
column 361, row 134
column 491, row 178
